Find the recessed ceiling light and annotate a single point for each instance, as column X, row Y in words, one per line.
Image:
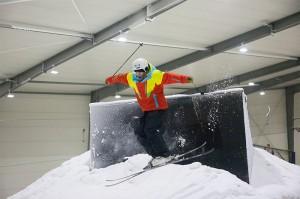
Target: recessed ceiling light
column 10, row 95
column 262, row 92
column 122, row 39
column 243, row 49
column 54, row 72
column 251, row 83
column 117, row 96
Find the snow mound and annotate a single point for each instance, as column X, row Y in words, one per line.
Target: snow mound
column 272, row 178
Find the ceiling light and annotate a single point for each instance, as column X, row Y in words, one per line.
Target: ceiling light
column 117, row 96
column 262, row 92
column 243, row 49
column 122, row 39
column 54, row 72
column 10, row 95
column 251, row 84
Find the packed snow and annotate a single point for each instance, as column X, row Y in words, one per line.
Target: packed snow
column 272, row 178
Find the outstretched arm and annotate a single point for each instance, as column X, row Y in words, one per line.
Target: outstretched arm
column 171, row 78
column 117, row 79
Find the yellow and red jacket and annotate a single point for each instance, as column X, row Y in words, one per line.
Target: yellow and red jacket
column 150, row 91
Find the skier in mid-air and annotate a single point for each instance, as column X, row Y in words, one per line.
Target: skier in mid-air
column 148, row 85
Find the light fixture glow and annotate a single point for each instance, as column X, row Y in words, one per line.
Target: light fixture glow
column 251, row 83
column 117, row 96
column 262, row 92
column 10, row 95
column 54, row 72
column 243, row 49
column 122, row 39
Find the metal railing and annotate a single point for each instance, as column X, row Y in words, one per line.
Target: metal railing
column 284, row 154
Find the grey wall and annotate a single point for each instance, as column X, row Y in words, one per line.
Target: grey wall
column 268, row 118
column 38, row 133
column 270, row 127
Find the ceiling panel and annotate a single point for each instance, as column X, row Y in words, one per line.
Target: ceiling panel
column 94, row 14
column 223, row 66
column 21, row 50
column 206, row 22
column 100, row 14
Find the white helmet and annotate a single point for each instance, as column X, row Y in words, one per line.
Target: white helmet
column 140, row 64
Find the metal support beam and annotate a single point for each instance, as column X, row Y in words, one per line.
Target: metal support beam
column 290, row 120
column 9, row 2
column 50, row 93
column 156, row 9
column 289, row 101
column 220, row 47
column 295, row 88
column 286, row 22
column 44, row 29
column 272, row 82
column 102, row 36
column 66, row 83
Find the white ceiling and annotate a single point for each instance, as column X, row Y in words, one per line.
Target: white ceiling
column 193, row 23
column 94, row 14
column 31, row 48
column 206, row 22
column 223, row 66
column 20, row 50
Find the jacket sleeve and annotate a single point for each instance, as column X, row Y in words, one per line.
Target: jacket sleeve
column 171, row 78
column 117, row 79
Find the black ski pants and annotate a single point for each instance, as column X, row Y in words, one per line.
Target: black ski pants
column 150, row 132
